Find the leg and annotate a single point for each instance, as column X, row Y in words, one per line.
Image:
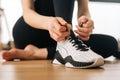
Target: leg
column 29, row 53
column 64, row 9
column 24, row 35
column 103, row 44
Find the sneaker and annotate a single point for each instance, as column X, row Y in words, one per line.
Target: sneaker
column 73, row 53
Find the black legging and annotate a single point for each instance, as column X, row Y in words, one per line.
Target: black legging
column 24, row 34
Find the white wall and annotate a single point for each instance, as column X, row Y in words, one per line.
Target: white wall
column 12, row 10
column 106, row 17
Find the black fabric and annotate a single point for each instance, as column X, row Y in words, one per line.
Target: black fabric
column 64, row 9
column 104, row 45
column 44, row 7
column 24, row 34
column 116, row 1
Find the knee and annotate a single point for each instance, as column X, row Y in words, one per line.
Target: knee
column 113, row 42
column 104, row 45
column 111, row 45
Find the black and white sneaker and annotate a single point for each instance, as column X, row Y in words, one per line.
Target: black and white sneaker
column 72, row 52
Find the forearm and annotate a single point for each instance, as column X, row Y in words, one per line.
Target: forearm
column 34, row 19
column 84, row 32
column 31, row 17
column 83, row 9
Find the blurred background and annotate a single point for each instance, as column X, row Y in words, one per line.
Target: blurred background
column 105, row 13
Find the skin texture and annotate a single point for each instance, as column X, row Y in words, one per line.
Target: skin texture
column 56, row 27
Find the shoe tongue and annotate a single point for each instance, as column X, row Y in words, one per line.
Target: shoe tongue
column 77, row 41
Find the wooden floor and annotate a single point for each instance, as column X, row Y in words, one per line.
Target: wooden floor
column 44, row 70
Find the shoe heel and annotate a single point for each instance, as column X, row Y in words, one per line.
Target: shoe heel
column 58, row 58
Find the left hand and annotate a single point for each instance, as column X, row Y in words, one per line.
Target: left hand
column 84, row 31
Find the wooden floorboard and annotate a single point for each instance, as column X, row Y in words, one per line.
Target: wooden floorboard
column 45, row 70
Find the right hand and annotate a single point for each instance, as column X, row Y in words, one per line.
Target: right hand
column 58, row 28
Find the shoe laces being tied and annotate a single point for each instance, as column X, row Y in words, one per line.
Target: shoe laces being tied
column 77, row 42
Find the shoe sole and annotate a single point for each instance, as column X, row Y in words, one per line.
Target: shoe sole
column 58, row 59
column 69, row 62
column 97, row 63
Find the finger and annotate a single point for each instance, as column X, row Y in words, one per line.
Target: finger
column 61, row 21
column 84, row 38
column 84, row 29
column 69, row 27
column 64, row 28
column 82, row 19
column 81, row 24
column 58, row 27
column 61, row 37
column 89, row 24
column 82, row 34
column 65, row 34
column 55, row 36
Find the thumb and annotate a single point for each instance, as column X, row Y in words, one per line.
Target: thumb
column 61, row 21
column 82, row 19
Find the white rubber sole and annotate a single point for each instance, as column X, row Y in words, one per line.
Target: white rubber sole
column 97, row 63
column 55, row 61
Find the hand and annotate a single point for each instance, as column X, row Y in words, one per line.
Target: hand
column 84, row 28
column 58, row 28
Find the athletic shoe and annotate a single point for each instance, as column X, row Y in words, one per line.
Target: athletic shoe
column 75, row 54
